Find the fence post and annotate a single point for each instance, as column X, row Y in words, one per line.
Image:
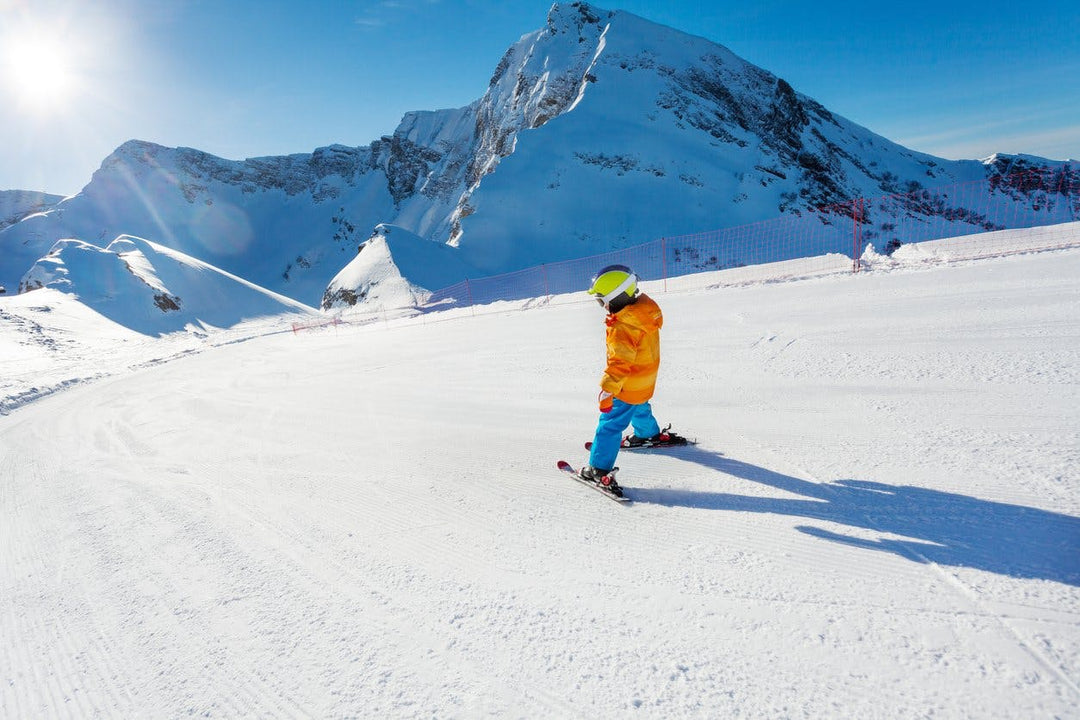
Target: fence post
column 1069, row 190
column 468, row 296
column 856, row 206
column 663, row 260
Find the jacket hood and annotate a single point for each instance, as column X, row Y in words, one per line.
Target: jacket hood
column 644, row 314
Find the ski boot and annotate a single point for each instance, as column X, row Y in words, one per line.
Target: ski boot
column 665, row 438
column 605, row 479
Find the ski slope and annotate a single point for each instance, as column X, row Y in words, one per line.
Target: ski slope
column 881, row 520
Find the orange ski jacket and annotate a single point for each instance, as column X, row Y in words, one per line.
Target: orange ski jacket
column 633, row 351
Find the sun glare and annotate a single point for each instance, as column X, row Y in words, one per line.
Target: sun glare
column 39, row 72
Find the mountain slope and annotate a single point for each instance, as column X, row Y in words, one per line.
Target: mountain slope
column 17, row 204
column 152, row 289
column 601, row 130
column 395, row 270
column 616, row 131
column 274, row 221
column 881, row 519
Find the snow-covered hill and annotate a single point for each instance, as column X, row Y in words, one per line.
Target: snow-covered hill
column 882, row 518
column 268, row 220
column 98, row 311
column 396, row 269
column 151, row 289
column 595, row 112
column 17, row 204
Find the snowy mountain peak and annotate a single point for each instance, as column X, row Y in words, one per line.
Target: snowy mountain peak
column 573, row 18
column 599, row 131
column 321, row 173
column 394, row 269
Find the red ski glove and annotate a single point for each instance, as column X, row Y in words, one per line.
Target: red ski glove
column 606, row 400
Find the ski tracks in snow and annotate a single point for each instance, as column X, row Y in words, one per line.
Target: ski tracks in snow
column 58, row 662
column 110, row 629
column 227, row 588
column 965, row 594
column 388, row 632
column 370, row 523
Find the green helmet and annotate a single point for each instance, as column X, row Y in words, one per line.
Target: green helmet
column 611, row 282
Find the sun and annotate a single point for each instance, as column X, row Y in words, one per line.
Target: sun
column 39, row 72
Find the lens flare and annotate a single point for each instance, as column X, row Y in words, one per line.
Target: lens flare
column 39, row 71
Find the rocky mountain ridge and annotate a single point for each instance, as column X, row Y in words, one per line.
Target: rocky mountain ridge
column 601, row 130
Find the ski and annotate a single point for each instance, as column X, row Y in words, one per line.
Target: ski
column 625, row 446
column 670, row 439
column 573, row 472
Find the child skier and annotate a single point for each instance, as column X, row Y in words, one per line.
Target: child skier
column 633, row 358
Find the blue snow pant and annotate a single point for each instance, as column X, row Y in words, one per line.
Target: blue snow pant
column 608, row 438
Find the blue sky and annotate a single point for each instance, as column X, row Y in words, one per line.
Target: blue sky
column 246, row 78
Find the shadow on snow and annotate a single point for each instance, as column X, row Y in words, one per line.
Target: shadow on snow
column 938, row 527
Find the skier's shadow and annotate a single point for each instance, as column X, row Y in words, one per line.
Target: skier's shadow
column 938, row 527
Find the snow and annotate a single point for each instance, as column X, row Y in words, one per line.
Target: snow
column 124, row 282
column 392, row 270
column 247, row 218
column 18, row 204
column 882, row 518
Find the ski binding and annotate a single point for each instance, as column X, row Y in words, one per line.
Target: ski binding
column 576, row 475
